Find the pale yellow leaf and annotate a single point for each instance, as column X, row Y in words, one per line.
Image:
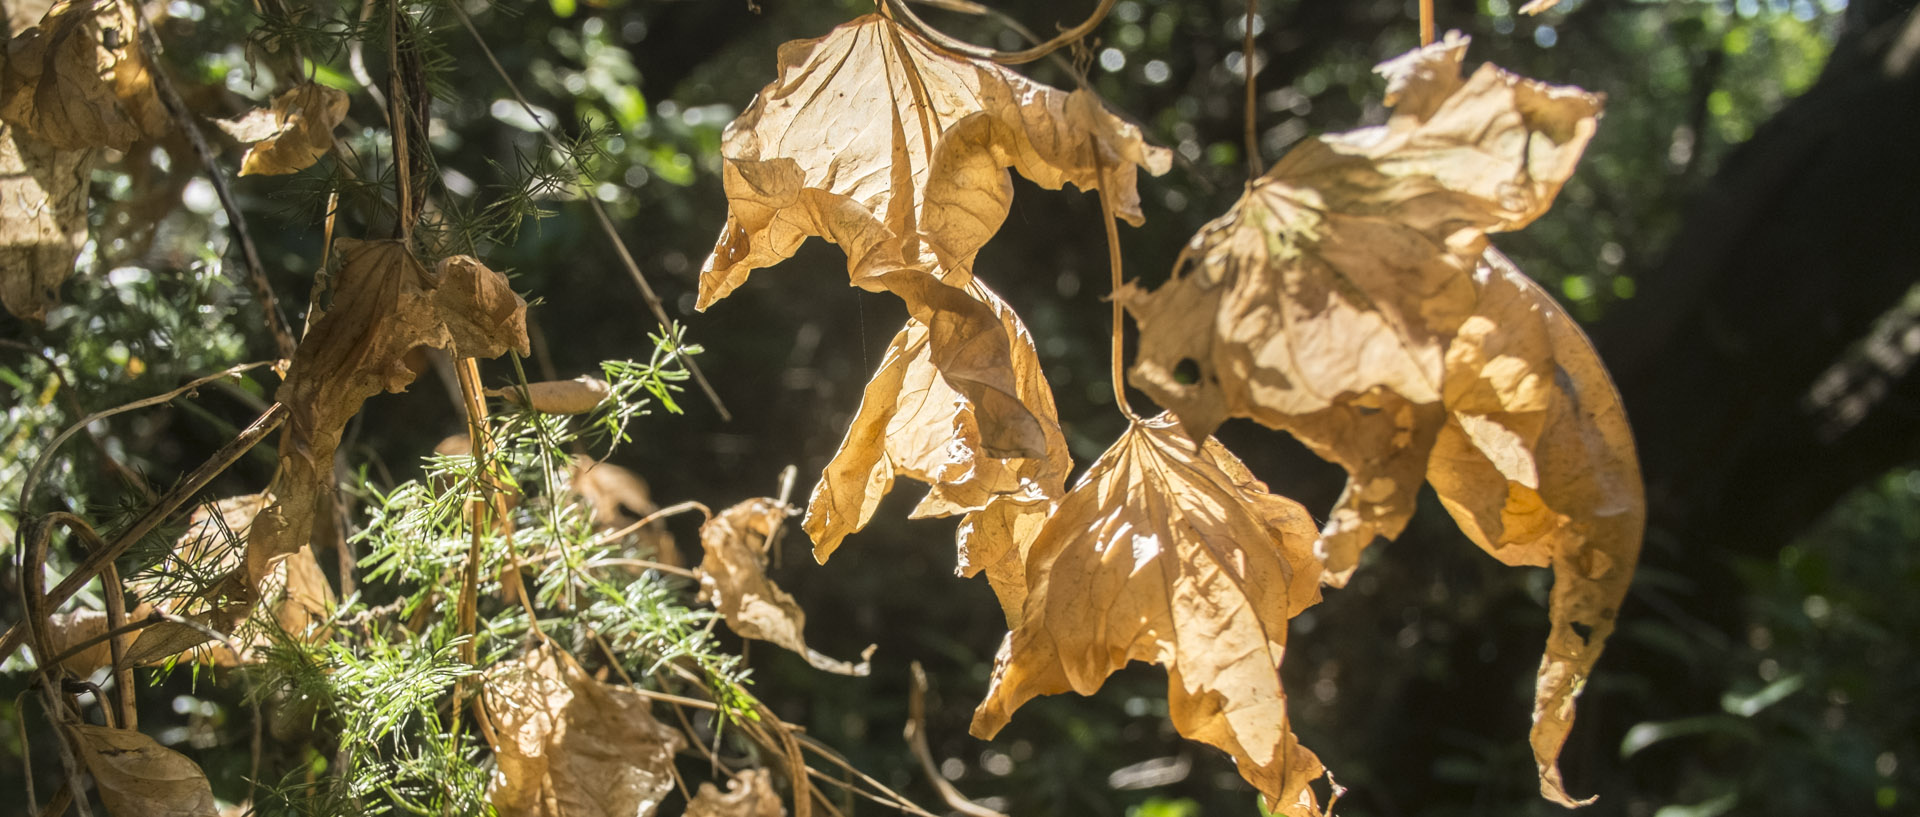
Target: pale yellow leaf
column 749, row 794
column 914, row 422
column 1544, row 472
column 137, row 777
column 897, row 151
column 1324, row 302
column 1170, row 552
column 577, row 396
column 566, row 745
column 291, row 134
column 73, row 627
column 79, row 79
column 733, row 576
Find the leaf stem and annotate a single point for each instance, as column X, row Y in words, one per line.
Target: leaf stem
column 899, row 11
column 1118, row 356
column 1255, row 166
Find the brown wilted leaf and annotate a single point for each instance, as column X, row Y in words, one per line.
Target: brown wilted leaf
column 1537, row 465
column 733, row 576
column 577, row 396
column 569, row 746
column 750, row 794
column 137, row 777
column 1171, row 553
column 292, row 134
column 913, row 192
column 914, row 423
column 43, row 219
column 72, row 84
column 385, row 304
column 1323, row 302
column 295, row 591
column 612, row 493
column 73, row 627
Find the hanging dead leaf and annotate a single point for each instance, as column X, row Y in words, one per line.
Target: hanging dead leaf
column 749, row 794
column 43, row 220
column 385, row 304
column 1171, row 553
column 1537, row 465
column 577, row 396
column 913, row 195
column 80, row 80
column 914, row 423
column 1323, row 302
column 733, row 576
column 137, row 777
column 569, row 746
column 292, row 134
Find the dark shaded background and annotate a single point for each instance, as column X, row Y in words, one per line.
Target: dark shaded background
column 1743, row 240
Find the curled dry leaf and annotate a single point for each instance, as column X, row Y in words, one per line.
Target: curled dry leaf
column 914, row 423
column 750, row 794
column 385, row 304
column 43, row 219
column 569, row 746
column 912, row 194
column 1171, row 552
column 72, row 84
column 1323, row 302
column 294, row 589
column 577, row 396
column 733, row 576
column 73, row 627
column 1537, row 465
column 137, row 777
column 292, row 134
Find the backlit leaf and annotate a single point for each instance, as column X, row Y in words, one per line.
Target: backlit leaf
column 1171, row 552
column 79, row 79
column 292, row 134
column 137, row 777
column 566, row 745
column 733, row 576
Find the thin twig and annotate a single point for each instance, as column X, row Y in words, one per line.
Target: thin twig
column 599, row 213
column 1254, row 165
column 45, row 459
column 905, row 16
column 897, row 799
column 1426, row 22
column 183, row 119
column 116, row 598
column 1112, row 224
column 916, row 733
column 153, row 516
column 676, row 508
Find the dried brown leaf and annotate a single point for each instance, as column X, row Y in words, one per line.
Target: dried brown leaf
column 733, row 576
column 72, row 84
column 1537, row 465
column 1171, row 552
column 617, row 496
column 914, row 191
column 1324, row 301
column 914, row 422
column 291, row 134
column 750, row 794
column 385, row 305
column 569, row 746
column 137, row 777
column 43, row 219
column 577, row 396
column 73, row 627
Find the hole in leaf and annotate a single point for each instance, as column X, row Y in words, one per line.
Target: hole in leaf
column 1186, row 372
column 1585, row 632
